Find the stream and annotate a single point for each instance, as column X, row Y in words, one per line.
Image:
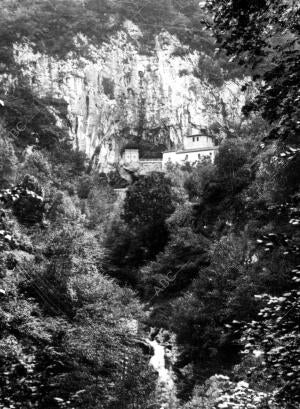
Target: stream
column 161, row 362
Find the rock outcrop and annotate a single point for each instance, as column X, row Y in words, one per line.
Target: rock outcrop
column 116, row 92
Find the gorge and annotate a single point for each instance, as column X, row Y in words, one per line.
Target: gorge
column 125, row 95
column 149, row 204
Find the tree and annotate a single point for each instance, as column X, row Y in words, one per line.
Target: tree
column 264, row 35
column 198, row 178
column 26, row 199
column 175, row 268
column 29, row 206
column 220, row 293
column 141, row 231
column 275, row 335
column 68, row 333
column 8, row 160
column 149, row 201
column 220, row 392
column 231, row 163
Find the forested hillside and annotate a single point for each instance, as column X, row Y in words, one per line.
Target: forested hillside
column 184, row 294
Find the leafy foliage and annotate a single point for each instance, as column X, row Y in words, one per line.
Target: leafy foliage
column 219, row 392
column 29, row 119
column 8, row 160
column 141, row 233
column 148, row 201
column 265, row 36
column 275, row 335
column 26, row 199
column 69, row 335
column 61, row 344
column 220, row 294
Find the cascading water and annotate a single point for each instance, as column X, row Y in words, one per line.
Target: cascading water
column 161, row 363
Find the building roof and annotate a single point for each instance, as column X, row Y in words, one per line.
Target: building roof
column 209, row 148
column 150, row 159
column 198, row 134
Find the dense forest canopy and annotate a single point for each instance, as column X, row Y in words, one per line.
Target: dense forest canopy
column 38, row 20
column 208, row 252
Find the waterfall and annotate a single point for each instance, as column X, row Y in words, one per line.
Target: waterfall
column 161, row 361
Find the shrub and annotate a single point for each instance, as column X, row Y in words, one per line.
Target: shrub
column 62, row 208
column 8, row 160
column 149, row 201
column 198, row 178
column 232, row 155
column 84, row 186
column 100, row 205
column 36, row 164
column 29, row 205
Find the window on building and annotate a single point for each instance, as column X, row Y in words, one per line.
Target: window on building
column 197, row 138
column 199, row 156
column 193, row 139
column 186, row 157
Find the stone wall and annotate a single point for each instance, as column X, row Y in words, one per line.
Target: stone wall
column 150, row 165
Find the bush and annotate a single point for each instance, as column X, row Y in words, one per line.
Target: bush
column 100, row 205
column 198, row 178
column 36, row 164
column 275, row 335
column 84, row 186
column 62, row 208
column 29, row 206
column 8, row 161
column 221, row 293
column 232, row 155
column 149, row 201
column 220, row 392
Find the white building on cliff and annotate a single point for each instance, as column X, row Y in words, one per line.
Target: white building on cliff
column 195, row 147
column 131, row 158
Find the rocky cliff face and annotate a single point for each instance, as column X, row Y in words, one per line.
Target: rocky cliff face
column 124, row 93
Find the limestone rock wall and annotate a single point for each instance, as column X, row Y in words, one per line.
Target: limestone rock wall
column 124, row 93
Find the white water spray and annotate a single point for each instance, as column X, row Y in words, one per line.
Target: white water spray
column 166, row 388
